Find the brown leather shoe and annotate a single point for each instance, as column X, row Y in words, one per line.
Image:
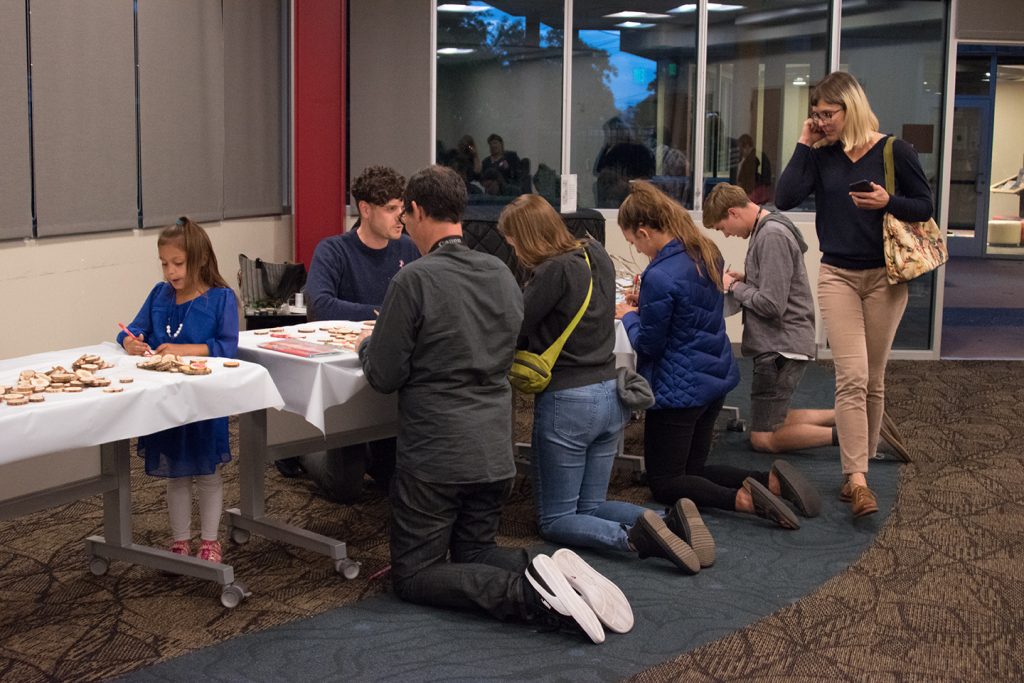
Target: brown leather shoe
column 844, row 491
column 862, row 501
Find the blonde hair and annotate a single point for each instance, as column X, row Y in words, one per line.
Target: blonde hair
column 648, row 207
column 843, row 89
column 200, row 260
column 536, row 230
column 718, row 202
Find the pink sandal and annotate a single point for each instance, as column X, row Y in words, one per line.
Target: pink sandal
column 209, row 551
column 182, row 548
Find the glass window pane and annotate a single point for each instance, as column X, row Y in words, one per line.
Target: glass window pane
column 906, row 95
column 633, row 88
column 763, row 59
column 499, row 94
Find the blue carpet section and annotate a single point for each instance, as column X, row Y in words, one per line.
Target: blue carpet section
column 759, row 569
column 981, row 317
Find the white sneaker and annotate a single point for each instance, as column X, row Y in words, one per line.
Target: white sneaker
column 556, row 593
column 604, row 597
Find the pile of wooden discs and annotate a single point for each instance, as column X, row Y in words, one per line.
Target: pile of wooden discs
column 33, row 385
column 171, row 363
column 345, row 337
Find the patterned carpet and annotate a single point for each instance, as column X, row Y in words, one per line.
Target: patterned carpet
column 938, row 596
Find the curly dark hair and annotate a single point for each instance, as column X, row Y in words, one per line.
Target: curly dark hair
column 378, row 185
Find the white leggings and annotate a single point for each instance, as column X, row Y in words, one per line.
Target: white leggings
column 210, row 490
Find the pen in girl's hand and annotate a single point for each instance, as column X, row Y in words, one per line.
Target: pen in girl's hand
column 129, row 333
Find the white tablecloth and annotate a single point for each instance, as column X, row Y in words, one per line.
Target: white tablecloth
column 151, row 402
column 309, row 386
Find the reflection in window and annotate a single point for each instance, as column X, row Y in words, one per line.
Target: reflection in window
column 762, row 61
column 499, row 94
column 633, row 87
column 906, row 95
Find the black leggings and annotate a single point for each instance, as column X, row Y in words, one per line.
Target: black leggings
column 677, row 442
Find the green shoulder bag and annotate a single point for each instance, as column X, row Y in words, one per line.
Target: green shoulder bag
column 531, row 372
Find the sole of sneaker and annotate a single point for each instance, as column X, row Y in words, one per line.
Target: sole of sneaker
column 672, row 547
column 769, row 506
column 556, row 592
column 694, row 531
column 796, row 489
column 604, row 597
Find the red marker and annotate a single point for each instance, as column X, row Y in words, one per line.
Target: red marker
column 149, row 352
column 127, row 331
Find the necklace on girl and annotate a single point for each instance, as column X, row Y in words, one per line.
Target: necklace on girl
column 167, row 327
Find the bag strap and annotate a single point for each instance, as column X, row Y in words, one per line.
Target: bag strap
column 552, row 352
column 890, row 167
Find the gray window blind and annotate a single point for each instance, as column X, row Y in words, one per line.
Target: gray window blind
column 252, row 107
column 15, row 168
column 83, row 116
column 181, row 100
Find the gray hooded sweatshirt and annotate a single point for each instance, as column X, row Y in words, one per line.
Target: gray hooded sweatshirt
column 778, row 309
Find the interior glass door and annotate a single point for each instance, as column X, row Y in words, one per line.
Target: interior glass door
column 969, row 176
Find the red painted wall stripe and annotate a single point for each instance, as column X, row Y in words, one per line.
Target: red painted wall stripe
column 319, row 124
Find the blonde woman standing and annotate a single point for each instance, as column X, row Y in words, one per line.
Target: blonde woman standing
column 839, row 145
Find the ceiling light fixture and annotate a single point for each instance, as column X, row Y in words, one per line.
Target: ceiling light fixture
column 455, row 51
column 631, row 14
column 633, row 24
column 458, row 7
column 712, row 7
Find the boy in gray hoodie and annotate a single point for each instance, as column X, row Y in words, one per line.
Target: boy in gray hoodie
column 778, row 319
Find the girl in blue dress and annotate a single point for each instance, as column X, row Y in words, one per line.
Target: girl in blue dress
column 193, row 312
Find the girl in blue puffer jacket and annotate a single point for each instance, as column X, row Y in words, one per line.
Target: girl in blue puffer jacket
column 677, row 330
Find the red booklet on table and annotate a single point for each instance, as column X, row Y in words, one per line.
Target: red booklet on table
column 300, row 347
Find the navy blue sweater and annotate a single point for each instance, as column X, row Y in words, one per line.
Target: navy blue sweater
column 850, row 237
column 348, row 280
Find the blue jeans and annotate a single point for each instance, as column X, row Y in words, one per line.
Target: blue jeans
column 575, row 438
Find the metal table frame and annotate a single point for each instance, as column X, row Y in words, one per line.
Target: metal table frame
column 116, row 543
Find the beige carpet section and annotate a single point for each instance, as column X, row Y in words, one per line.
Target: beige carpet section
column 938, row 596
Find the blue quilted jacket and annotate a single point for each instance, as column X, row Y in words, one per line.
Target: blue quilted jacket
column 679, row 333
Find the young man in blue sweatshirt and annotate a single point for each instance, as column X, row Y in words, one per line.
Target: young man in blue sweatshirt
column 348, row 279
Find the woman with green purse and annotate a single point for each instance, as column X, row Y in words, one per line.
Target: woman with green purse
column 578, row 417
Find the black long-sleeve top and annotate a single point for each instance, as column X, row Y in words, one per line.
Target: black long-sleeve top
column 552, row 298
column 850, row 237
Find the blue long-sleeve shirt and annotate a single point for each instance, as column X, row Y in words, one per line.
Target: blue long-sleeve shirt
column 348, row 280
column 850, row 237
column 211, row 318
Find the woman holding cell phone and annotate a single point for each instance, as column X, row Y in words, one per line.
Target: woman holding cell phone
column 839, row 158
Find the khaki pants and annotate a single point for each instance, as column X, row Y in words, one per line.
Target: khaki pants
column 861, row 311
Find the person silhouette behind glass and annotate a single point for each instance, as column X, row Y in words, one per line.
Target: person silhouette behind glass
column 505, row 162
column 620, row 160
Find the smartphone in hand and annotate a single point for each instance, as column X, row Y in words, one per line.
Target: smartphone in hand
column 861, row 186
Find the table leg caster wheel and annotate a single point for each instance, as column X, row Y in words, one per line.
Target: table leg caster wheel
column 233, row 594
column 347, row 568
column 239, row 535
column 98, row 565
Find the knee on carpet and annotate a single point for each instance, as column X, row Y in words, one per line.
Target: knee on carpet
column 763, row 442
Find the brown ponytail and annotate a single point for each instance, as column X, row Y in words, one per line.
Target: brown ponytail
column 651, row 208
